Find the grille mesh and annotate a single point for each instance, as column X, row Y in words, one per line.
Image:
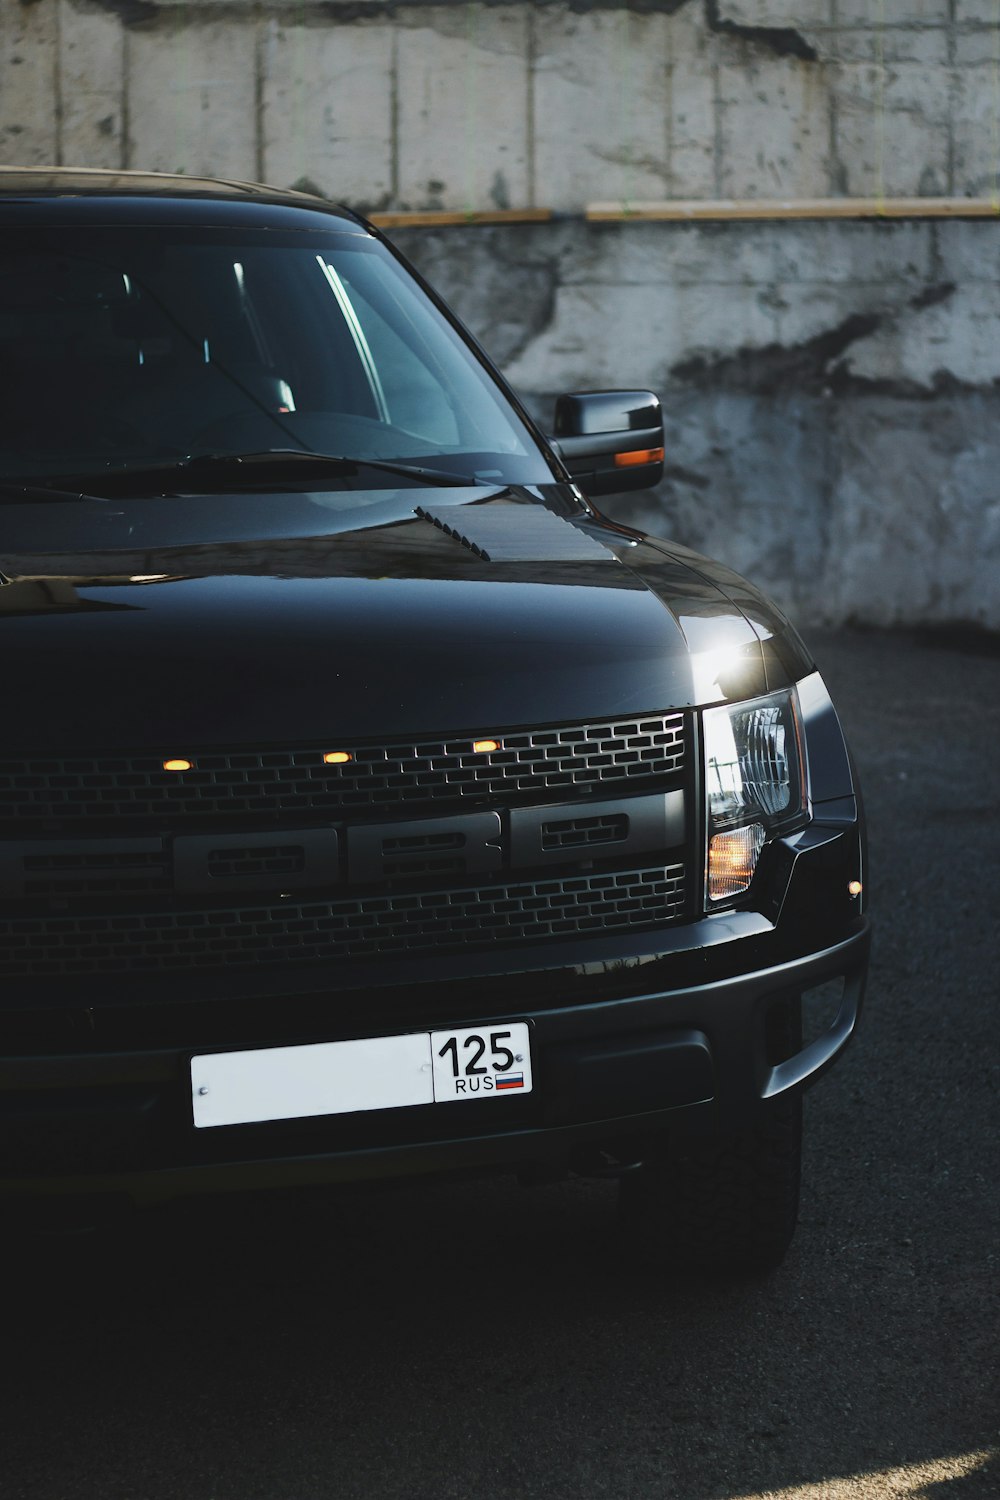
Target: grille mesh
column 577, row 833
column 104, row 874
column 529, row 765
column 370, row 927
column 288, row 860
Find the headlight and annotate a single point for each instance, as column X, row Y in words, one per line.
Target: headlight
column 754, row 786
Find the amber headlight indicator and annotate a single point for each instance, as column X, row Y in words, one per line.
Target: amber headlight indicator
column 754, row 787
column 732, row 860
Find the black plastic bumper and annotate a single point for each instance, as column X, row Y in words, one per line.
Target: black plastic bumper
column 692, row 1061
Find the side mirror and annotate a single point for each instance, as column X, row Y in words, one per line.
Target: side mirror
column 610, row 440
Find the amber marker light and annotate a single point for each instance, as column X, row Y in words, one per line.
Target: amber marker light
column 178, row 765
column 639, row 456
column 484, row 747
column 855, row 888
column 732, row 860
column 337, row 757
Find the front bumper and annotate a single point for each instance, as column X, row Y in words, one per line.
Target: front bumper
column 692, row 1061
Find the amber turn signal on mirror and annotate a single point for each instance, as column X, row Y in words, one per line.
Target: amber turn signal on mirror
column 638, row 456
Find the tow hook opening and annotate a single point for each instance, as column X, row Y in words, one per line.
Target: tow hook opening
column 607, row 1160
column 613, row 1159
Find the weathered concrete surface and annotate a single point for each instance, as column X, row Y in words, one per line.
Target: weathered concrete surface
column 191, row 108
column 29, row 129
column 461, row 82
column 830, row 390
column 324, row 114
column 601, row 105
column 91, row 73
column 444, row 103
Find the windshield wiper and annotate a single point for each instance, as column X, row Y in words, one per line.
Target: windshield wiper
column 300, row 459
column 11, row 491
column 238, row 471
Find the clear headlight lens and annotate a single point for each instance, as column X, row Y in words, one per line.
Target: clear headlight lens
column 754, row 786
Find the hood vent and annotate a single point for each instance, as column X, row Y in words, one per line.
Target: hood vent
column 505, row 531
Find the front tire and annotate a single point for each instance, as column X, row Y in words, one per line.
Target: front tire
column 725, row 1205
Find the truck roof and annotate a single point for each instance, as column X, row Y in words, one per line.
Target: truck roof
column 92, row 194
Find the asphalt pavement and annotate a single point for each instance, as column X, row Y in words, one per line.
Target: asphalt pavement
column 481, row 1340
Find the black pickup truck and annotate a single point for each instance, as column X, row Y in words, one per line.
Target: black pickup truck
column 352, row 764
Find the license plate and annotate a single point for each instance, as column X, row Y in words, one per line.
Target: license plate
column 382, row 1072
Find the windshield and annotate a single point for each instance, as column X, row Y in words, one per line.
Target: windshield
column 126, row 347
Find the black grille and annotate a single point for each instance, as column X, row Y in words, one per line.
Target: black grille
column 367, row 927
column 578, row 833
column 529, row 765
column 283, row 860
column 426, row 854
column 97, row 874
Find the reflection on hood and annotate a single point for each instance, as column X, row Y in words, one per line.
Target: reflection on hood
column 415, row 548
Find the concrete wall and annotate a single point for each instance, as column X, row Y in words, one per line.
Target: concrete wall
column 832, row 391
column 444, row 103
column 831, row 388
column 431, row 104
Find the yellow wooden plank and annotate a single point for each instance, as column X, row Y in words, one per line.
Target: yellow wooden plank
column 680, row 210
column 433, row 218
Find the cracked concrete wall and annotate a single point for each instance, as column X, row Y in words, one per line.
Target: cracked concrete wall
column 831, row 390
column 470, row 104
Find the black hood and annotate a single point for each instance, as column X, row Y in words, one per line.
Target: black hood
column 442, row 611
